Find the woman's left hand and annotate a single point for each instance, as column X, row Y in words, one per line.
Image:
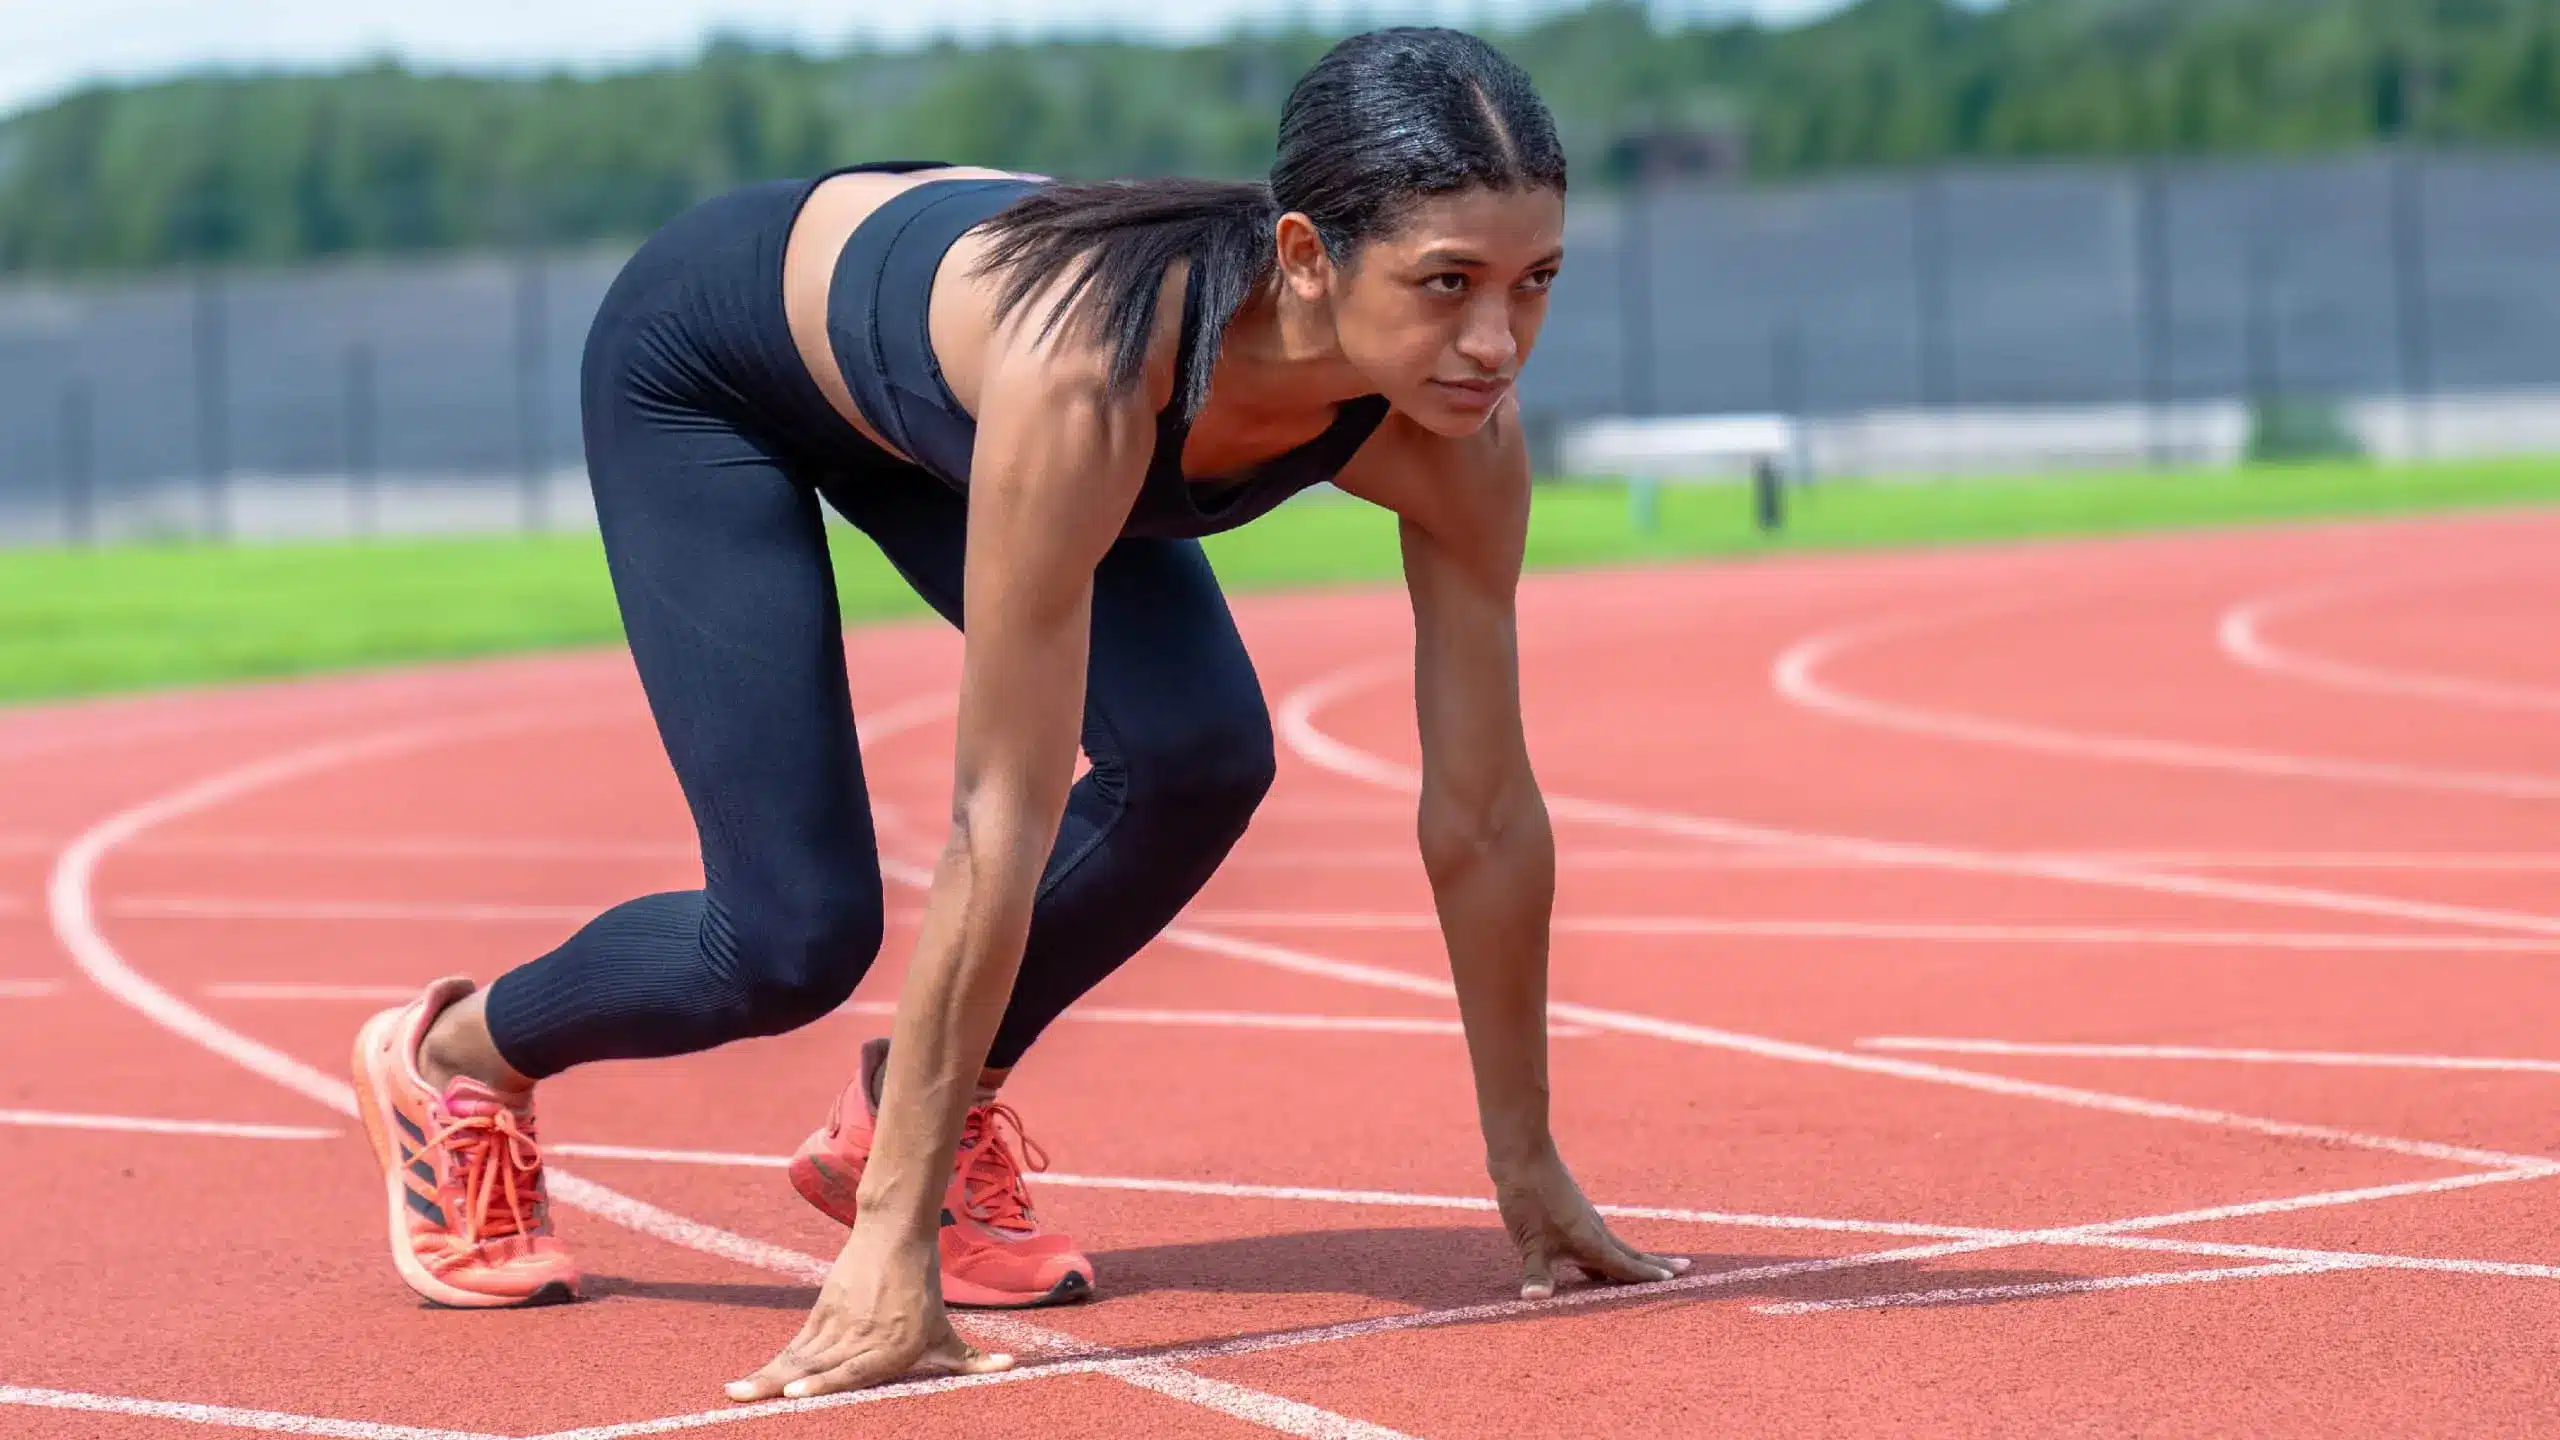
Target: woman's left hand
column 878, row 1316
column 1551, row 1221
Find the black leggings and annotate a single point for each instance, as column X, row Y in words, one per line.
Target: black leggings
column 698, row 418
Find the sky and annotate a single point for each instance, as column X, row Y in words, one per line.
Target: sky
column 48, row 48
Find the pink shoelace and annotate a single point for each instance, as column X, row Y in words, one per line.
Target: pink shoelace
column 992, row 1186
column 501, row 1166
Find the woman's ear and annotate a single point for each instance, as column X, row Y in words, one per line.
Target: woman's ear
column 1305, row 266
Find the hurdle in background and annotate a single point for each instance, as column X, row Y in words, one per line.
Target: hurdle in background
column 1648, row 451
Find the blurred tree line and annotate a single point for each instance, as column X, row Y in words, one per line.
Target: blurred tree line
column 265, row 168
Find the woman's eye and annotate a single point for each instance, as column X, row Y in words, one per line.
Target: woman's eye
column 1449, row 284
column 1540, row 280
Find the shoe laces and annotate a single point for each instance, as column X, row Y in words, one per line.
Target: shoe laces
column 500, row 1165
column 992, row 1187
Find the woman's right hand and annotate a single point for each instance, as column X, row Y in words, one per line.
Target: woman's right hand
column 878, row 1316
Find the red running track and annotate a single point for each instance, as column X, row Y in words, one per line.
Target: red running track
column 2102, row 987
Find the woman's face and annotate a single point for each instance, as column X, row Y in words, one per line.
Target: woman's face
column 1439, row 314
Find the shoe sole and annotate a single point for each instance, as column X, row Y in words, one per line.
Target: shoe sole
column 373, row 1108
column 1071, row 1288
column 826, row 1185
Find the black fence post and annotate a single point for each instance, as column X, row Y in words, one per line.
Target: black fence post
column 1768, row 493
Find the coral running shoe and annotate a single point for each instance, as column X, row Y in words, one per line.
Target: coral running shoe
column 461, row 1172
column 994, row 1255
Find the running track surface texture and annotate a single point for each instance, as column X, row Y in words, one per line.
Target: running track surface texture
column 2082, row 988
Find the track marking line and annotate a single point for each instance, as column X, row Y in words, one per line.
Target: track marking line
column 141, row 1125
column 1677, row 926
column 206, row 907
column 272, row 1421
column 2534, row 861
column 422, row 847
column 217, row 908
column 1669, row 857
column 1398, row 1199
column 1709, row 1037
column 2044, row 1290
column 2241, row 634
column 2451, row 860
column 214, row 907
column 1296, row 725
column 2243, row 1056
column 1249, row 1020
column 74, row 922
column 1796, row 677
column 290, row 990
column 1565, row 1301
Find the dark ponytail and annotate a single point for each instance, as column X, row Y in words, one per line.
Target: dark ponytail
column 1383, row 121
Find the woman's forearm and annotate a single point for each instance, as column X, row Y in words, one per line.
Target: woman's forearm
column 977, row 917
column 1493, row 883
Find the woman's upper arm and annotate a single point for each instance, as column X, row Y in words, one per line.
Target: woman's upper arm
column 1059, row 457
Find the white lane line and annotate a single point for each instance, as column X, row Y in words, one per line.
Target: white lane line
column 1407, row 1200
column 1796, row 677
column 2048, row 1289
column 1681, row 1032
column 1297, row 727
column 69, row 894
column 2492, row 861
column 275, row 1422
column 217, row 907
column 29, row 989
column 1676, row 926
column 1249, row 1020
column 1254, row 1407
column 422, row 847
column 1565, row 1301
column 1739, row 858
column 1295, row 720
column 2243, row 1056
column 289, row 990
column 2242, row 636
column 1757, row 860
column 208, row 907
column 141, row 1125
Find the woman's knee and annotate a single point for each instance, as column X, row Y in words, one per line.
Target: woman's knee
column 1211, row 771
column 795, row 960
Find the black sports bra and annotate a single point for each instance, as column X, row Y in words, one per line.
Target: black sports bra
column 877, row 324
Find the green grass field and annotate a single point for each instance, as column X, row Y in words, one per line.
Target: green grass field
column 123, row 618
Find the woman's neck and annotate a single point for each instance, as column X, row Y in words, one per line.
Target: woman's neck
column 1282, row 357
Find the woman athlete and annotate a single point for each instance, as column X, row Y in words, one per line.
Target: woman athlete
column 1034, row 397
